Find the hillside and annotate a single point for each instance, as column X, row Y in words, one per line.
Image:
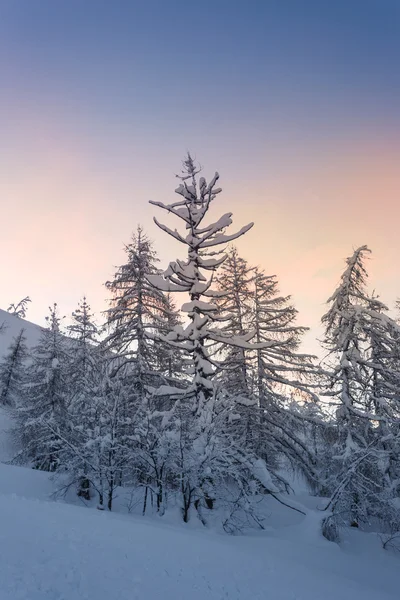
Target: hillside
column 12, row 327
column 55, row 551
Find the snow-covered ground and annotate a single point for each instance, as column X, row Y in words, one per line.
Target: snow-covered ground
column 57, row 551
column 67, row 551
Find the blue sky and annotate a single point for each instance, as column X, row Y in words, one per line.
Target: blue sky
column 171, row 63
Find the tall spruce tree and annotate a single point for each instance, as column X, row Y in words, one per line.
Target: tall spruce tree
column 83, row 379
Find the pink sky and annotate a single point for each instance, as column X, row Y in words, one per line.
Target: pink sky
column 66, row 216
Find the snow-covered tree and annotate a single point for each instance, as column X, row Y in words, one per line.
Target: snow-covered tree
column 19, row 310
column 41, row 415
column 135, row 307
column 281, row 370
column 12, row 370
column 383, row 351
column 234, row 281
column 109, row 445
column 139, row 312
column 284, row 379
column 83, row 389
column 363, row 383
column 84, row 331
column 203, row 256
column 344, row 338
column 201, row 414
column 93, row 455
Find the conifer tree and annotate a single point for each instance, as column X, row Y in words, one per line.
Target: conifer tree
column 84, row 330
column 234, row 281
column 204, row 452
column 19, row 310
column 284, row 379
column 364, row 384
column 83, row 386
column 138, row 312
column 94, row 452
column 280, row 368
column 12, row 368
column 41, row 416
column 135, row 311
column 189, row 276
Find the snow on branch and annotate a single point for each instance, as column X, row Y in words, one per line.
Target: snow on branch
column 174, row 233
column 224, row 239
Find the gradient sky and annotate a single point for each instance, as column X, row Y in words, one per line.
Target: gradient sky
column 295, row 103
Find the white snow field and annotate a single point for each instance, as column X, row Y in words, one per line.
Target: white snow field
column 54, row 550
column 57, row 551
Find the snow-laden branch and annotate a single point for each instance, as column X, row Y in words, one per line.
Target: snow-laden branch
column 225, row 239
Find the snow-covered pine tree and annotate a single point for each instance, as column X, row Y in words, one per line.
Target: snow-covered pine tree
column 138, row 312
column 83, row 386
column 363, row 382
column 205, row 454
column 94, row 453
column 203, row 255
column 12, row 370
column 84, row 331
column 147, row 433
column 383, row 351
column 111, row 448
column 135, row 311
column 347, row 387
column 106, row 451
column 343, row 340
column 19, row 310
column 284, row 379
column 42, row 412
column 234, row 281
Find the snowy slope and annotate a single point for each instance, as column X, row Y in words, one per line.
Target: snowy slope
column 6, row 446
column 55, row 551
column 12, row 327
